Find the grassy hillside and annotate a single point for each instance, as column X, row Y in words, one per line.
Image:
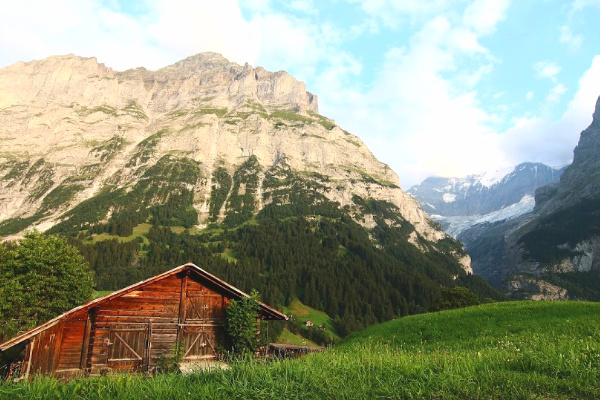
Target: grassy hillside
column 516, row 350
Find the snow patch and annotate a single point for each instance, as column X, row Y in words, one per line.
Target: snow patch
column 490, row 178
column 449, row 197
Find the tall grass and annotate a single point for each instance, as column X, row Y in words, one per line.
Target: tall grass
column 514, row 350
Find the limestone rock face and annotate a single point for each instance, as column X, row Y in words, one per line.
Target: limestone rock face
column 534, row 289
column 67, row 120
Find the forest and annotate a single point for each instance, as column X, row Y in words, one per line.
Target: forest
column 300, row 245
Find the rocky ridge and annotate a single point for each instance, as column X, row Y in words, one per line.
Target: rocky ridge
column 71, row 128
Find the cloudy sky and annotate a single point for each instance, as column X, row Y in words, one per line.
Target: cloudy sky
column 433, row 87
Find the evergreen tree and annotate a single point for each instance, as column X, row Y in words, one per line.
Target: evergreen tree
column 41, row 277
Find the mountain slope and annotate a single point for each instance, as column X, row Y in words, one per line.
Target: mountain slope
column 225, row 165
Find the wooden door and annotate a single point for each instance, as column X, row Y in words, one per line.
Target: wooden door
column 128, row 348
column 202, row 331
column 200, row 342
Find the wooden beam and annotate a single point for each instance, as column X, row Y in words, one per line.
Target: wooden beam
column 148, row 346
column 85, row 343
column 28, row 355
column 56, row 350
column 182, row 297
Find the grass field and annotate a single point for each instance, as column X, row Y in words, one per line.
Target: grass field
column 288, row 337
column 140, row 230
column 514, row 350
column 305, row 313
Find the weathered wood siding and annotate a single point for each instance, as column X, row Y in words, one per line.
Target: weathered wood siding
column 132, row 331
column 72, row 347
column 41, row 352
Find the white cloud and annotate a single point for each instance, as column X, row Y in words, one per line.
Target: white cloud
column 552, row 141
column 480, row 16
column 546, row 69
column 54, row 28
column 186, row 27
column 422, row 115
column 579, row 5
column 484, row 15
column 287, row 42
column 465, row 40
column 305, row 6
column 394, row 13
column 556, row 93
column 258, row 5
column 165, row 33
column 567, row 37
column 580, row 109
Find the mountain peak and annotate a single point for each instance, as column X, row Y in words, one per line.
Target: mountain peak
column 206, row 60
column 58, row 62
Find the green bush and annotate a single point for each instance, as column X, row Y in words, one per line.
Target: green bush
column 243, row 327
column 41, row 276
column 456, row 297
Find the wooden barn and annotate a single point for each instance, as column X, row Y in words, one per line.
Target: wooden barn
column 129, row 330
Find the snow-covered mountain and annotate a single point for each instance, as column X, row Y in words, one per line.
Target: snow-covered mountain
column 553, row 252
column 459, row 203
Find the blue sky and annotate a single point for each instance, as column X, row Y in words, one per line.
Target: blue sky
column 438, row 87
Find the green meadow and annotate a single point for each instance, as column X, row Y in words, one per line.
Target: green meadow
column 512, row 350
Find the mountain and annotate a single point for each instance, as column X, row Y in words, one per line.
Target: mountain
column 229, row 166
column 553, row 252
column 459, row 203
column 72, row 126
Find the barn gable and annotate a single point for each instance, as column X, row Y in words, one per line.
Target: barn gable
column 128, row 330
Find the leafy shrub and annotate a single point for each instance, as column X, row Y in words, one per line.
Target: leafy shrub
column 41, row 276
column 242, row 326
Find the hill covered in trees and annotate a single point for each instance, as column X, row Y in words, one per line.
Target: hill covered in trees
column 308, row 248
column 229, row 167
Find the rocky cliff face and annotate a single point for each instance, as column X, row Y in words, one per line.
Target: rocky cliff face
column 73, row 130
column 556, row 245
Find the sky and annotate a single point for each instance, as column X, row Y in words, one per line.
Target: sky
column 433, row 87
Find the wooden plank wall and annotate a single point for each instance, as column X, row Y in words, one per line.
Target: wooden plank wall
column 41, row 351
column 203, row 329
column 153, row 308
column 72, row 347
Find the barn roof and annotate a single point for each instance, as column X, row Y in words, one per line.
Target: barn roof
column 265, row 310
